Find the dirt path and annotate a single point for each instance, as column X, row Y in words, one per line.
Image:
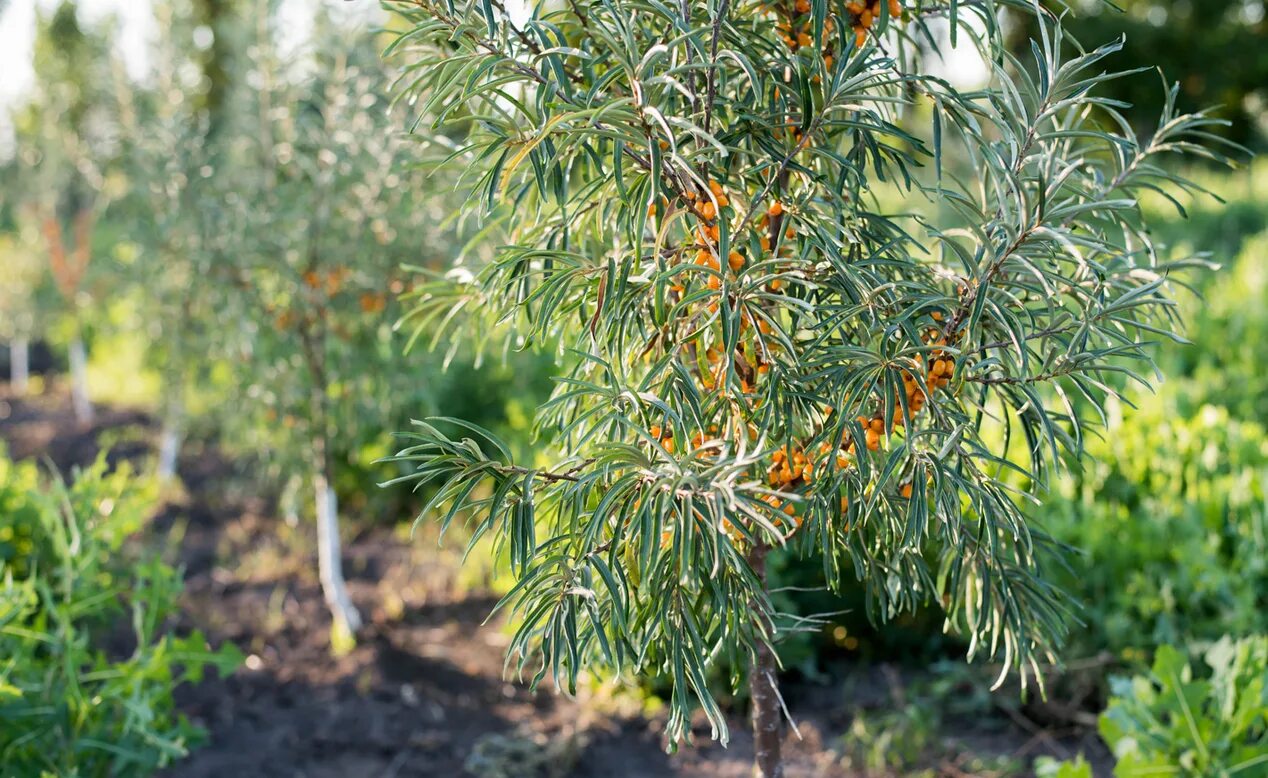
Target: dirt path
column 422, row 694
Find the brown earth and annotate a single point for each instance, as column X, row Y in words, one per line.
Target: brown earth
column 423, row 692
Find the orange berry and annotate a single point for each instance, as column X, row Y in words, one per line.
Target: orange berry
column 776, row 208
column 736, row 261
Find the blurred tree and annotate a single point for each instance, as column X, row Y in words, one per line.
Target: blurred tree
column 66, row 139
column 1216, row 49
column 20, row 301
column 218, row 60
column 176, row 130
column 323, row 206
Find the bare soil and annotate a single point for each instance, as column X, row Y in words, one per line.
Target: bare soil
column 423, row 692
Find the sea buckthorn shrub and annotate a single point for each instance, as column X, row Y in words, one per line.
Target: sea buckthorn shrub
column 805, row 294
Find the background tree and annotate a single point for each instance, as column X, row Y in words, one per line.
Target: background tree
column 177, row 134
column 1182, row 38
column 22, row 299
column 322, row 207
column 66, row 141
column 789, row 320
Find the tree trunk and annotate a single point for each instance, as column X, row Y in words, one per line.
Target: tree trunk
column 79, row 381
column 329, row 556
column 171, row 436
column 290, row 500
column 767, row 757
column 20, row 366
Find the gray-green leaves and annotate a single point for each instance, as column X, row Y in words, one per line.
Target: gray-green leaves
column 804, row 293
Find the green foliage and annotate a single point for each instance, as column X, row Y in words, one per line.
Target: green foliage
column 1191, row 41
column 752, row 265
column 66, row 155
column 1173, row 722
column 894, row 740
column 1225, row 365
column 918, row 731
column 1172, row 517
column 81, row 694
column 1169, row 512
column 1047, row 767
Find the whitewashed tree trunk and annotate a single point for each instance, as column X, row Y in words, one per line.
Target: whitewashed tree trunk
column 79, row 381
column 291, row 499
column 20, row 366
column 171, row 437
column 329, row 558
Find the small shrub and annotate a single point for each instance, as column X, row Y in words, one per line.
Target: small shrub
column 87, row 659
column 1171, row 722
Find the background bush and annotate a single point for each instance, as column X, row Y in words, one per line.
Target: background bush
column 88, row 660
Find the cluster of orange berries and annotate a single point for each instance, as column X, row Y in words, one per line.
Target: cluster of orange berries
column 796, row 30
column 705, row 209
column 937, row 375
column 373, row 302
column 866, row 14
column 775, row 211
column 665, row 437
column 331, row 280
